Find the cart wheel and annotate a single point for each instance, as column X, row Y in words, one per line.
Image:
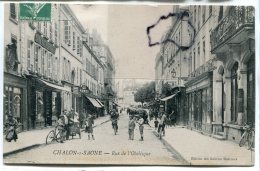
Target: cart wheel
column 50, row 137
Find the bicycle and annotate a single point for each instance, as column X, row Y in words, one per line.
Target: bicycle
column 54, row 135
column 248, row 136
column 115, row 126
column 161, row 131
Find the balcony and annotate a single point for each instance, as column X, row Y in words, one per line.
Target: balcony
column 233, row 28
column 207, row 67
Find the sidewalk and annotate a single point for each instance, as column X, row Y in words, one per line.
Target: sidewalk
column 198, row 149
column 34, row 138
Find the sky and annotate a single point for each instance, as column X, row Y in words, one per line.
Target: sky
column 123, row 29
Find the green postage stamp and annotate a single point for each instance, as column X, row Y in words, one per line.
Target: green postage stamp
column 35, row 11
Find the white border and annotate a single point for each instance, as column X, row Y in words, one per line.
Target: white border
column 254, row 3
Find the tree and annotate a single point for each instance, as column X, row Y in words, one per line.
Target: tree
column 146, row 93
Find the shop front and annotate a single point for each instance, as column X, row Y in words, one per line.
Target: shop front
column 15, row 99
column 199, row 102
column 44, row 103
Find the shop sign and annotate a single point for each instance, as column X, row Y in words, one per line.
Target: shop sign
column 44, row 43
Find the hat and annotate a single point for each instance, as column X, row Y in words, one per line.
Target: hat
column 9, row 115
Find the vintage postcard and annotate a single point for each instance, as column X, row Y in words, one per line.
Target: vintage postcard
column 118, row 84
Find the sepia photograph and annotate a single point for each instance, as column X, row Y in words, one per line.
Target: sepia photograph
column 120, row 85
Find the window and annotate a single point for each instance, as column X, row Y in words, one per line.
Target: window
column 49, row 64
column 29, row 46
column 45, row 28
column 199, row 17
column 39, row 26
column 78, row 45
column 37, row 48
column 56, row 33
column 69, row 70
column 203, row 14
column 44, row 63
column 195, row 15
column 210, row 10
column 73, row 40
column 204, row 51
column 234, row 93
column 63, row 68
column 220, row 16
column 12, row 11
column 67, row 32
column 198, row 49
column 194, row 59
column 13, row 102
column 50, row 31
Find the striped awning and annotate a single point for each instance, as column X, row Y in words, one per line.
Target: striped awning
column 94, row 102
column 169, row 97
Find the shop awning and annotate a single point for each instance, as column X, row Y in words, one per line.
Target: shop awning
column 94, row 102
column 169, row 97
column 56, row 86
column 101, row 104
column 116, row 104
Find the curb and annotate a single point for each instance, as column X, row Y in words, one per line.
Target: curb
column 38, row 145
column 22, row 149
column 173, row 150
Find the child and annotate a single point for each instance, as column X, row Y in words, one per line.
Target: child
column 89, row 126
column 61, row 127
column 156, row 122
column 131, row 128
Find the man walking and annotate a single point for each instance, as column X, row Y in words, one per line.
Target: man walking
column 89, row 126
column 141, row 127
column 131, row 127
column 162, row 123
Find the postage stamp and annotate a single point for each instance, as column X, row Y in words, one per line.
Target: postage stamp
column 35, row 11
column 106, row 84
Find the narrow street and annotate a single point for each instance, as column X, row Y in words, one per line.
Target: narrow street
column 107, row 148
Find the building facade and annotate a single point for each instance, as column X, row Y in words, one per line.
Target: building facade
column 45, row 68
column 220, row 70
column 233, row 43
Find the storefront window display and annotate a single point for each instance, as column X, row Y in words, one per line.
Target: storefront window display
column 13, row 102
column 39, row 109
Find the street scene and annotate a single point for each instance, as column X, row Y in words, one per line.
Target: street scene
column 145, row 85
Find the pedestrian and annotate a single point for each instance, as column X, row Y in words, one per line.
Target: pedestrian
column 61, row 127
column 66, row 123
column 156, row 122
column 89, row 126
column 162, row 123
column 11, row 126
column 131, row 127
column 140, row 122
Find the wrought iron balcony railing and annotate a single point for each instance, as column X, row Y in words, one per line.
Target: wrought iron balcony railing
column 238, row 18
column 208, row 66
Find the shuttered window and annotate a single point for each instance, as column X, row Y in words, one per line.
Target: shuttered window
column 67, row 32
column 12, row 11
column 73, row 40
column 78, row 45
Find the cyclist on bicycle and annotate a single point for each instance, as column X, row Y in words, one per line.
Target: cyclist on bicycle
column 114, row 117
